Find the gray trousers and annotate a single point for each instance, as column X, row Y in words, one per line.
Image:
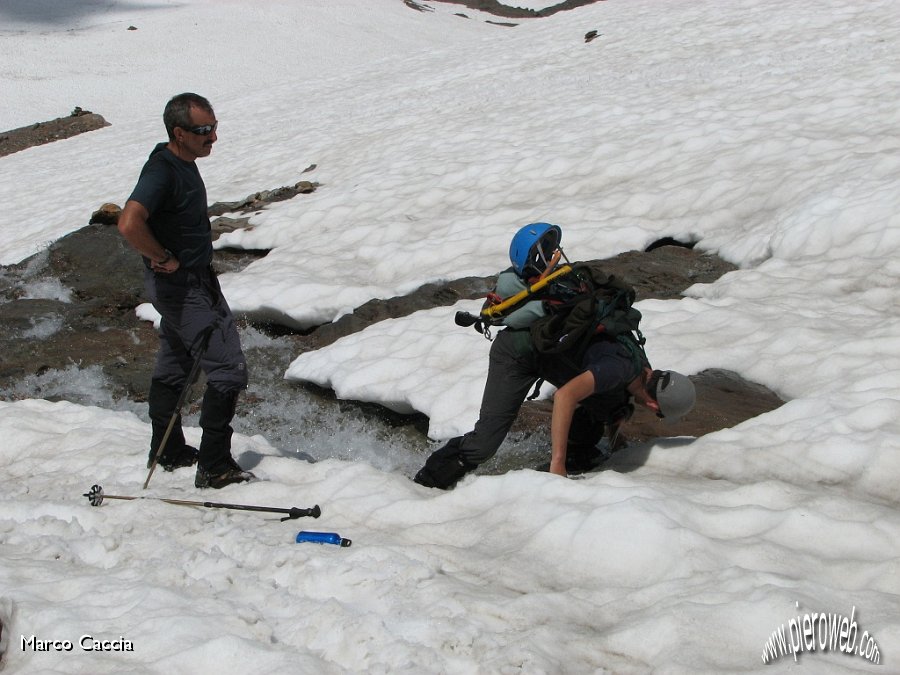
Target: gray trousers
column 189, row 301
column 512, row 372
column 513, row 369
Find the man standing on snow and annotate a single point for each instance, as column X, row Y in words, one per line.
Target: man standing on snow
column 597, row 386
column 166, row 220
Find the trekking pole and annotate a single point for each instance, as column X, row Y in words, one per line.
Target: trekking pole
column 95, row 496
column 203, row 339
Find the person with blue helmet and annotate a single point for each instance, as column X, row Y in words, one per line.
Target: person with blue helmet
column 594, row 395
column 533, row 247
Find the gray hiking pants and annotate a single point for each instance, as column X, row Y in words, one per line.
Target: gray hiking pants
column 512, row 372
column 513, row 369
column 189, row 301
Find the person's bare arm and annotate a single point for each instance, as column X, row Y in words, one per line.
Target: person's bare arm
column 565, row 401
column 133, row 226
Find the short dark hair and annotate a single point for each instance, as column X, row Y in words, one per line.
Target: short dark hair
column 178, row 111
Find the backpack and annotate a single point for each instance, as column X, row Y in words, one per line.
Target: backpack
column 603, row 309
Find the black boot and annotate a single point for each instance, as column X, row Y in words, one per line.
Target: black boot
column 216, row 467
column 445, row 467
column 162, row 401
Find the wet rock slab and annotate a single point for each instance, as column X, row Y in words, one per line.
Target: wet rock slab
column 96, row 326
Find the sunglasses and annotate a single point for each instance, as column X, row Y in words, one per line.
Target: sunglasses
column 204, row 130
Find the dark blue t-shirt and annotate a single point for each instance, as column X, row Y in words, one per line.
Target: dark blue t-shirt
column 608, row 360
column 613, row 369
column 174, row 195
column 611, row 364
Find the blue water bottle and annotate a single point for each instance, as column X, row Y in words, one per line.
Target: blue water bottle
column 322, row 538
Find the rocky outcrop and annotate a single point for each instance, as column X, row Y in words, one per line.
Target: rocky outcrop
column 78, row 122
column 104, row 277
column 506, row 10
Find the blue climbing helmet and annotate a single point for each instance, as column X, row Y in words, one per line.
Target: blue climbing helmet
column 532, row 248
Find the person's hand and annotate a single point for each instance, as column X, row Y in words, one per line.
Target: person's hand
column 166, row 266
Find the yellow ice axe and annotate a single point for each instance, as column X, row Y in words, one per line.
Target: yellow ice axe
column 498, row 310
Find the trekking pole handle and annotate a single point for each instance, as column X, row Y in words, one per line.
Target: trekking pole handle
column 295, row 513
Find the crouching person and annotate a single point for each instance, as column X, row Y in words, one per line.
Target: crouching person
column 600, row 369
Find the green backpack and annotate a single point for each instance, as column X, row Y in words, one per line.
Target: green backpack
column 603, row 308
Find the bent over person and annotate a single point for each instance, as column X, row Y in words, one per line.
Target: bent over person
column 166, row 220
column 556, row 329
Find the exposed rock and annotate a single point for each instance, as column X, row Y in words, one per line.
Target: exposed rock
column 105, row 279
column 417, row 6
column 259, row 200
column 78, row 122
column 97, row 327
column 224, row 224
column 108, row 214
column 498, row 8
column 662, row 273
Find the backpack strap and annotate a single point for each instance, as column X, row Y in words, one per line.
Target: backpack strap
column 635, row 347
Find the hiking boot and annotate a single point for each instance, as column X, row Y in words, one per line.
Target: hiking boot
column 171, row 460
column 445, row 467
column 219, row 478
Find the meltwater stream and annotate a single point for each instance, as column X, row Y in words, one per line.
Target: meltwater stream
column 303, row 422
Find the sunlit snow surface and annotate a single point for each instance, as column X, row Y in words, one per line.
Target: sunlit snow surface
column 764, row 131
